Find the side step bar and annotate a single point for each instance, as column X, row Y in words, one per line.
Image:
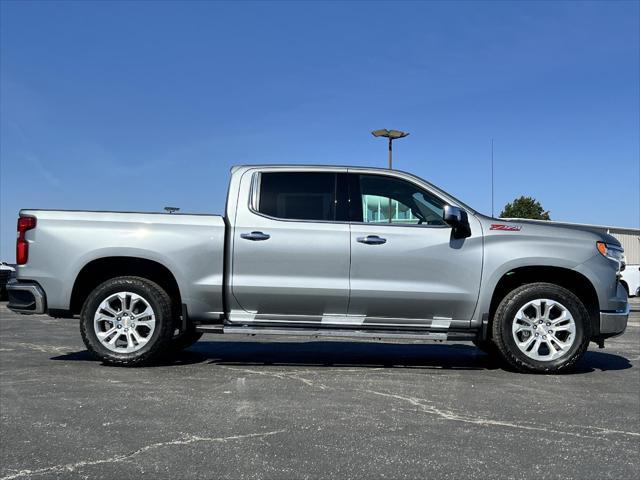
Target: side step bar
column 206, row 328
column 346, row 333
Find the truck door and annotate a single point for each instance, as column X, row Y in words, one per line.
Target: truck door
column 406, row 268
column 291, row 248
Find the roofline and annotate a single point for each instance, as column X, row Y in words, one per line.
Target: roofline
column 310, row 166
column 442, row 193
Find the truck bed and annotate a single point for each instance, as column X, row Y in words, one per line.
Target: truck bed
column 189, row 246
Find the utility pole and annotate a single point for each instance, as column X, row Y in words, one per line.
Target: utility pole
column 391, row 135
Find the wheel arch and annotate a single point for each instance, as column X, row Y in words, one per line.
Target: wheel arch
column 102, row 269
column 573, row 281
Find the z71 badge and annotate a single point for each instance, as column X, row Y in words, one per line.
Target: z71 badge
column 506, row 228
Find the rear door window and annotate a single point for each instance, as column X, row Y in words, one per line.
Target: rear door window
column 298, row 195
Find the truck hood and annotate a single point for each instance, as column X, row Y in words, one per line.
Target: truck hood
column 547, row 227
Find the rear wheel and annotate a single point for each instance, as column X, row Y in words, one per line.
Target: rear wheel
column 127, row 321
column 541, row 327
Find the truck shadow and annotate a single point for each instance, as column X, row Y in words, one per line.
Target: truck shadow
column 345, row 354
column 353, row 354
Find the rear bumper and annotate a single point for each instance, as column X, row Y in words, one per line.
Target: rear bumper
column 28, row 298
column 613, row 324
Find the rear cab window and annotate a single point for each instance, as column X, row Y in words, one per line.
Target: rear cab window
column 310, row 196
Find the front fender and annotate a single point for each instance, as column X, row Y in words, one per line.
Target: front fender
column 506, row 251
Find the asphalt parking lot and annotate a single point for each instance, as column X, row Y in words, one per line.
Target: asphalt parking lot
column 245, row 407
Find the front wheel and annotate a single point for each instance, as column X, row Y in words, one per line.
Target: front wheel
column 127, row 321
column 541, row 327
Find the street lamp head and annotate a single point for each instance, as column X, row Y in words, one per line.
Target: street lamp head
column 397, row 134
column 392, row 134
column 380, row 133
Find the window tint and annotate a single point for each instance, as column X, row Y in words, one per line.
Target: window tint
column 298, row 195
column 391, row 200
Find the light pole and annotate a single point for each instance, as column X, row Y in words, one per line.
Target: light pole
column 391, row 135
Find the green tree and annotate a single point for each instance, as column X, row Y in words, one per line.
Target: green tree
column 525, row 207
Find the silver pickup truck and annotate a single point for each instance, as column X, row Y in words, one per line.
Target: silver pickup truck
column 323, row 251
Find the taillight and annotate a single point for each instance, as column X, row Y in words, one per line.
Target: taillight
column 22, row 246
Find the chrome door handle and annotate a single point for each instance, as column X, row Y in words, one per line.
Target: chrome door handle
column 255, row 236
column 372, row 240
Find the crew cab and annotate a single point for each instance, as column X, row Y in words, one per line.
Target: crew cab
column 323, row 250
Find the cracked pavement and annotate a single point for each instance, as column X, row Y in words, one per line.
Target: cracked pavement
column 252, row 407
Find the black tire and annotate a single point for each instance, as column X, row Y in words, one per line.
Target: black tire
column 505, row 315
column 185, row 339
column 157, row 298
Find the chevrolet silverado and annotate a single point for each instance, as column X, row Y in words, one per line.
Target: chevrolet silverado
column 323, row 251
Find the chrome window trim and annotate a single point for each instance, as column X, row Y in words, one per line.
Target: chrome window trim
column 255, row 190
column 399, row 225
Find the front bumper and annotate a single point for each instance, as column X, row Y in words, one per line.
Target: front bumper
column 613, row 324
column 28, row 298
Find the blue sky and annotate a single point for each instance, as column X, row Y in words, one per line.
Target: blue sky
column 139, row 105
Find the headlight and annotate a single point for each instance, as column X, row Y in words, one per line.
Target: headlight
column 612, row 252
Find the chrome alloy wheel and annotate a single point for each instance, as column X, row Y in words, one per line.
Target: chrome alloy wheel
column 124, row 322
column 544, row 329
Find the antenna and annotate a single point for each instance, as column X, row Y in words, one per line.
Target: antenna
column 492, row 211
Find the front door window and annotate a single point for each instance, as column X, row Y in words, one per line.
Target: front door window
column 391, row 200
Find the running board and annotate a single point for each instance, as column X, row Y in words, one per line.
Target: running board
column 346, row 333
column 206, row 328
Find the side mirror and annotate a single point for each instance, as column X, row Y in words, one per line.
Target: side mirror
column 458, row 220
